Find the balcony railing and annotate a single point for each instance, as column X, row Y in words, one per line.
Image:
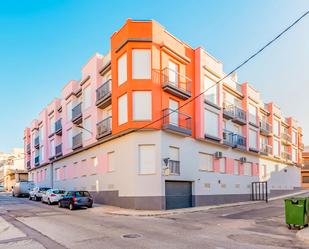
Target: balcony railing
column 266, row 149
column 235, row 113
column 77, row 141
column 104, row 127
column 177, row 122
column 265, row 128
column 77, row 114
column 174, row 167
column 37, row 160
column 104, row 94
column 176, row 83
column 37, row 142
column 286, row 155
column 58, row 126
column 286, row 138
column 253, row 119
column 28, row 164
column 228, row 137
column 239, row 141
column 58, row 150
column 28, row 148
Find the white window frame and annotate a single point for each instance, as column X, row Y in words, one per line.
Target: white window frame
column 122, row 65
column 141, row 64
column 123, row 109
column 142, row 105
column 150, row 168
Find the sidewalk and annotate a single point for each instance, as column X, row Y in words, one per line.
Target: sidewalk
column 303, row 235
column 112, row 210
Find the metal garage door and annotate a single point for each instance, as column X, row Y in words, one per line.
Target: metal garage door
column 178, row 194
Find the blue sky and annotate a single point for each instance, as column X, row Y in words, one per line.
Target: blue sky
column 43, row 44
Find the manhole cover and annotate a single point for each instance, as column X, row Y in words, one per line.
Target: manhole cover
column 131, row 236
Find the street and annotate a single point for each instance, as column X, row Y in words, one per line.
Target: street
column 28, row 224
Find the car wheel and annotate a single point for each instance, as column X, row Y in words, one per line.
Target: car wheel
column 59, row 204
column 13, row 194
column 71, row 206
column 89, row 206
column 36, row 198
column 48, row 202
column 30, row 198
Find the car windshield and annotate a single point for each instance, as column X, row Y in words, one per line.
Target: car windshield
column 44, row 189
column 82, row 193
column 59, row 192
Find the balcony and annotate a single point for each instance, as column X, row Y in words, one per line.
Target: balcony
column 286, row 156
column 77, row 116
column 174, row 167
column 286, row 138
column 58, row 127
column 235, row 113
column 77, row 141
column 266, row 149
column 177, row 122
column 176, row 84
column 28, row 148
column 37, row 161
column 104, row 127
column 265, row 128
column 104, row 95
column 228, row 137
column 58, row 150
column 239, row 141
column 28, row 164
column 37, row 142
column 301, row 146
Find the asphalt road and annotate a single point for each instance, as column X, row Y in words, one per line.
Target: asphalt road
column 28, row 224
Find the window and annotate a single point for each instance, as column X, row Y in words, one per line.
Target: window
column 305, row 179
column 174, row 153
column 41, row 154
column 222, row 165
column 294, row 137
column 94, row 161
column 294, row 155
column 141, row 64
column 84, row 167
column 41, row 134
column 52, row 125
column 64, row 173
column 252, row 114
column 264, row 167
column 147, row 159
column 276, row 127
column 211, row 123
column 75, row 169
column 52, row 148
column 247, row 169
column 211, row 95
column 276, row 148
column 236, row 167
column 69, row 138
column 252, row 139
column 69, row 111
column 88, row 129
column 87, row 97
column 205, row 162
column 57, row 174
column 123, row 109
column 122, row 69
column 173, row 117
column 173, row 73
column 111, row 161
column 45, row 174
column 142, row 105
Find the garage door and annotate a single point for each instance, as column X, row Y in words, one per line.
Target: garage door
column 178, row 194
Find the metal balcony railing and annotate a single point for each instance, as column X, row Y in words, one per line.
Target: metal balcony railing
column 286, row 155
column 58, row 126
column 239, row 141
column 286, row 138
column 104, row 93
column 265, row 128
column 228, row 137
column 177, row 121
column 77, row 113
column 174, row 167
column 58, row 150
column 37, row 160
column 37, row 142
column 77, row 141
column 253, row 119
column 104, row 127
column 176, row 83
column 266, row 149
column 28, row 148
column 28, row 164
column 235, row 113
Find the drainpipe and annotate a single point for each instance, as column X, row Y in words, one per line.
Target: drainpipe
column 52, row 175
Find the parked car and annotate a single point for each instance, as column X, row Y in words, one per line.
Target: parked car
column 52, row 196
column 74, row 199
column 37, row 192
column 22, row 188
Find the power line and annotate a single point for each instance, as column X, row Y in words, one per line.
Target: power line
column 231, row 72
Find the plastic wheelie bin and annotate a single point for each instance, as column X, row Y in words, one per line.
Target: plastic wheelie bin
column 296, row 212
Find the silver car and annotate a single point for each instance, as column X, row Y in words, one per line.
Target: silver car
column 37, row 192
column 52, row 196
column 22, row 188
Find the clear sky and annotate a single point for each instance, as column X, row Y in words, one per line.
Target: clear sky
column 44, row 44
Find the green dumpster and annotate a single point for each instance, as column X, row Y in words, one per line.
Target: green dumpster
column 296, row 211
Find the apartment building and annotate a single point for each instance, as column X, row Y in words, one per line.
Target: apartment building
column 305, row 168
column 133, row 132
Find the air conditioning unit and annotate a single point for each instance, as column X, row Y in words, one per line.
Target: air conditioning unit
column 218, row 154
column 243, row 159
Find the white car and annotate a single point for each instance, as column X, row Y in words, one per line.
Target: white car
column 52, row 196
column 37, row 192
